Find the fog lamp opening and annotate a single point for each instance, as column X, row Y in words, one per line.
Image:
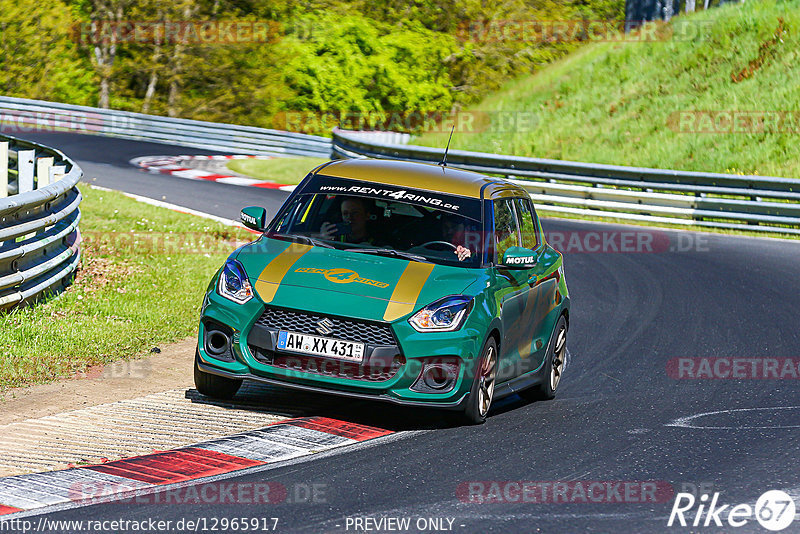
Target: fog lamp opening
column 438, row 375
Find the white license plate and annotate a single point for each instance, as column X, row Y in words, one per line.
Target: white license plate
column 321, row 346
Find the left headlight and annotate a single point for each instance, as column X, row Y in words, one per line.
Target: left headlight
column 233, row 283
column 444, row 315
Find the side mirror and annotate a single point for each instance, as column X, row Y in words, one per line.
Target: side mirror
column 519, row 258
column 254, row 218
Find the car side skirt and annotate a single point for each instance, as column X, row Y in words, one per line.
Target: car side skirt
column 515, row 385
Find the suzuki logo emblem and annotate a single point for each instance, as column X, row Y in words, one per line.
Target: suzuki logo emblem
column 325, row 326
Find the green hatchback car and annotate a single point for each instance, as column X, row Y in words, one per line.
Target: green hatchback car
column 411, row 283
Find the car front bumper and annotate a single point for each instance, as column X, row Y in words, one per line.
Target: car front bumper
column 381, row 397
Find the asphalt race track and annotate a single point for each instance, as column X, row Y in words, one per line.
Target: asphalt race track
column 623, row 413
column 105, row 162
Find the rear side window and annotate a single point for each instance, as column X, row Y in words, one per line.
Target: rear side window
column 505, row 227
column 527, row 223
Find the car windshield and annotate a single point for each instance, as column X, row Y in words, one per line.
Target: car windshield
column 390, row 221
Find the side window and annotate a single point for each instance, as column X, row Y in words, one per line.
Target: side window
column 505, row 227
column 527, row 223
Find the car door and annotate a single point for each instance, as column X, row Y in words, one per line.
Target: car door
column 532, row 332
column 511, row 291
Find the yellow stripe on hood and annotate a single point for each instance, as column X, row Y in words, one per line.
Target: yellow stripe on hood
column 270, row 278
column 406, row 292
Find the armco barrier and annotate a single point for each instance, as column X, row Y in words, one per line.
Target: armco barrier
column 754, row 203
column 39, row 215
column 20, row 115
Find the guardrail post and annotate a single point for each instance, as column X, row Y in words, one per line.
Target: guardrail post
column 25, row 168
column 57, row 172
column 3, row 169
column 43, row 166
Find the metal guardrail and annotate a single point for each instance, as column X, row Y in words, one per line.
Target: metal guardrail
column 39, row 215
column 754, row 203
column 387, row 138
column 21, row 115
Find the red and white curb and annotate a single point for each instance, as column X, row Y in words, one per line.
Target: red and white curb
column 121, row 478
column 181, row 166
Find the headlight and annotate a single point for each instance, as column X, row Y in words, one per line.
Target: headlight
column 444, row 315
column 233, row 283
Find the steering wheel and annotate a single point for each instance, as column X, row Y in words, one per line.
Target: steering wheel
column 427, row 245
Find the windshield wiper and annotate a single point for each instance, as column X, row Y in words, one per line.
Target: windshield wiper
column 391, row 253
column 307, row 240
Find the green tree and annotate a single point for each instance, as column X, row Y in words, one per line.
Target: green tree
column 40, row 59
column 354, row 64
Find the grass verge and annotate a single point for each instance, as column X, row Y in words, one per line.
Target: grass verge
column 290, row 171
column 664, row 104
column 135, row 290
column 724, row 101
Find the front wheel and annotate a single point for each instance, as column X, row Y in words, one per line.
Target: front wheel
column 482, row 392
column 555, row 359
column 214, row 386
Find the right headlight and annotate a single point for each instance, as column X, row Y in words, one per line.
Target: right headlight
column 444, row 315
column 233, row 283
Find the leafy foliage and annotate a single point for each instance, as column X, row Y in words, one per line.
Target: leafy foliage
column 39, row 60
column 323, row 55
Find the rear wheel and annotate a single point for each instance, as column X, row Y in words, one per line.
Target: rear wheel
column 214, row 386
column 553, row 365
column 482, row 392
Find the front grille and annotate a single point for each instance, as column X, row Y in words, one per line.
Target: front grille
column 338, row 369
column 306, row 323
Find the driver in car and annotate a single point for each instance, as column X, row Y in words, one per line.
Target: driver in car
column 455, row 232
column 355, row 214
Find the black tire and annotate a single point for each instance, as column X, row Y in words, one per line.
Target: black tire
column 214, row 386
column 482, row 391
column 553, row 365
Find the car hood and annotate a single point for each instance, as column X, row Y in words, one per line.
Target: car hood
column 350, row 284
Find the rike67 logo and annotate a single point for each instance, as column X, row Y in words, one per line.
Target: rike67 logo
column 774, row 510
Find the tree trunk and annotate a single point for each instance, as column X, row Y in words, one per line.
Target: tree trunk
column 151, row 85
column 104, row 93
column 151, row 90
column 174, row 82
column 105, row 51
column 668, row 10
